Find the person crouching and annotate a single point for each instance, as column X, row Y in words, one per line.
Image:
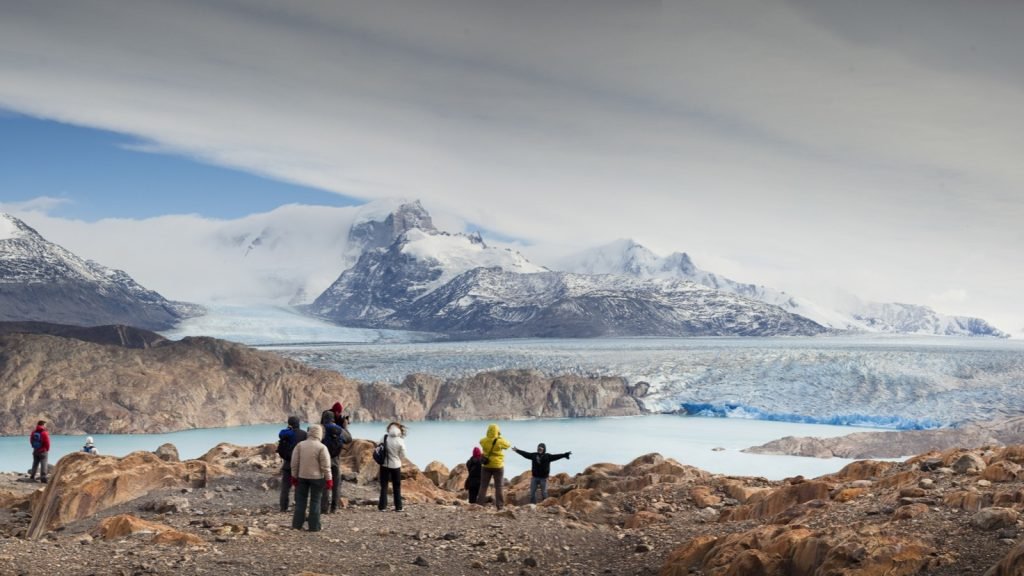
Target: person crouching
column 311, row 473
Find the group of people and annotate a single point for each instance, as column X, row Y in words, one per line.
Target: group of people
column 488, row 462
column 312, row 465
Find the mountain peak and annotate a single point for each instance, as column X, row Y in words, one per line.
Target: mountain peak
column 375, row 228
column 11, row 227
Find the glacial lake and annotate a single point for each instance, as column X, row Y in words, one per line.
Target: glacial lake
column 689, row 440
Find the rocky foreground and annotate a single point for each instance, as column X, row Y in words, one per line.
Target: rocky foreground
column 955, row 512
column 90, row 383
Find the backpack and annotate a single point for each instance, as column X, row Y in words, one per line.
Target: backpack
column 380, row 451
column 286, row 441
column 36, row 439
column 333, row 440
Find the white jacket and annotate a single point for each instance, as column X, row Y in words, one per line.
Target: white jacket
column 396, row 447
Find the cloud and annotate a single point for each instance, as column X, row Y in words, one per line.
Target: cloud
column 40, row 204
column 811, row 143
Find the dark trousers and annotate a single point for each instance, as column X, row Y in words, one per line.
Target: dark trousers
column 286, row 485
column 541, row 483
column 485, row 478
column 39, row 460
column 395, row 476
column 329, row 502
column 474, row 489
column 307, row 494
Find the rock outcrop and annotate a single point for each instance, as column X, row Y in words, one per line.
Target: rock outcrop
column 83, row 484
column 84, row 387
column 898, row 444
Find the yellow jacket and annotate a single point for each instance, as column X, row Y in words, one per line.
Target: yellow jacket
column 497, row 454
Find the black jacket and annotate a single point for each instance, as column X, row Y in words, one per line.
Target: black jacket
column 541, row 462
column 473, row 467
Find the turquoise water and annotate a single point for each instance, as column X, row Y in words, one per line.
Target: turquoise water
column 591, row 440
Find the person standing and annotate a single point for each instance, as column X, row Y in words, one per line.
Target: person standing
column 540, row 469
column 90, row 446
column 287, row 440
column 391, row 469
column 40, row 440
column 334, row 439
column 311, row 473
column 493, row 465
column 473, row 468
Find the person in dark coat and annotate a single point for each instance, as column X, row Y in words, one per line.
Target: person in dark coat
column 40, row 440
column 287, row 440
column 329, row 503
column 540, row 469
column 473, row 467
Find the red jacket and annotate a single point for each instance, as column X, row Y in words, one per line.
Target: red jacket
column 45, row 437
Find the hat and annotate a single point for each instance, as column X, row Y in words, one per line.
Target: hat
column 477, row 452
column 293, row 422
column 88, row 440
column 337, row 408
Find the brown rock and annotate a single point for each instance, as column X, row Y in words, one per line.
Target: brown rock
column 910, row 511
column 167, row 452
column 456, row 478
column 703, row 498
column 778, row 500
column 966, row 500
column 642, row 519
column 743, row 493
column 117, row 527
column 688, row 556
column 863, row 470
column 83, row 484
column 966, row 463
column 912, row 492
column 436, row 472
column 1002, row 471
column 994, row 518
column 1014, row 453
column 847, row 494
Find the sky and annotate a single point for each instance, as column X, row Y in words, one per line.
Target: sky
column 817, row 146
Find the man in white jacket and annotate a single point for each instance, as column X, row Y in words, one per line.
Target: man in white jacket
column 311, row 473
column 391, row 469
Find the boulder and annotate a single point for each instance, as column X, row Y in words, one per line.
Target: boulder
column 743, row 493
column 1014, row 453
column 777, row 501
column 863, row 470
column 910, row 511
column 83, row 484
column 783, row 550
column 456, row 478
column 1002, row 471
column 967, row 500
column 966, row 463
column 994, row 518
column 436, row 472
column 167, row 452
column 124, row 525
column 847, row 494
column 703, row 498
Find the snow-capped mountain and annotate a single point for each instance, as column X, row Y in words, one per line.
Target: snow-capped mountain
column 42, row 281
column 627, row 257
column 456, row 284
column 384, row 281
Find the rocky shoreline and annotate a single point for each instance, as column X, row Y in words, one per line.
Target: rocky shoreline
column 900, row 443
column 954, row 512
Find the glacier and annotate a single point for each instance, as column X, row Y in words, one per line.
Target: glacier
column 896, row 382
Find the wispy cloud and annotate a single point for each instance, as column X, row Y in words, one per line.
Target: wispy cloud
column 810, row 142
